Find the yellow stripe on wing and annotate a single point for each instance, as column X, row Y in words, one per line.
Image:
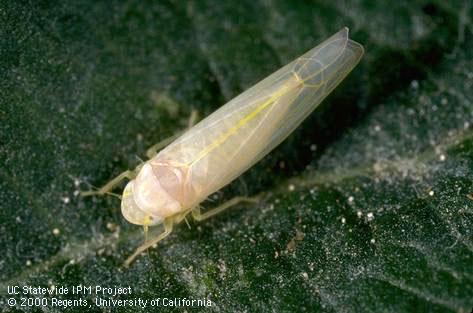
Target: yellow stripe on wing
column 220, row 140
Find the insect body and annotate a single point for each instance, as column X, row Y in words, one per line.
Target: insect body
column 229, row 141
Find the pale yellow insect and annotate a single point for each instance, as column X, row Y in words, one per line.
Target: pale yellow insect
column 172, row 183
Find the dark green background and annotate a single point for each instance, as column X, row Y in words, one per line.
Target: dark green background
column 379, row 219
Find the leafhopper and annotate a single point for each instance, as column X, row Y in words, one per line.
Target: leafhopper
column 208, row 156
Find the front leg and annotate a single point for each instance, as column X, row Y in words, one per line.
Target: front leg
column 130, row 174
column 168, row 224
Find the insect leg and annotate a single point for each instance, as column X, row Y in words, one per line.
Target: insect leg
column 168, row 223
column 153, row 150
column 111, row 184
column 199, row 216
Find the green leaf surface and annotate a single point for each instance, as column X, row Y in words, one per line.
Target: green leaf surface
column 367, row 207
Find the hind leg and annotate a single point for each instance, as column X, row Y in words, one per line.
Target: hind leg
column 153, row 150
column 199, row 216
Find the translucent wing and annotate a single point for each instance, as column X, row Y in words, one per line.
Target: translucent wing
column 321, row 69
column 233, row 138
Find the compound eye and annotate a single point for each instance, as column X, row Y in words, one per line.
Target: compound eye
column 132, row 212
